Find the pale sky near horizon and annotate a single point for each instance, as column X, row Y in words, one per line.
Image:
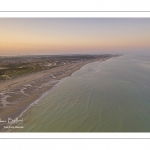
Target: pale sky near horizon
column 24, row 36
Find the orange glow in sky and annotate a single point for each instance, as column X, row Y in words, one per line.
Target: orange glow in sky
column 78, row 35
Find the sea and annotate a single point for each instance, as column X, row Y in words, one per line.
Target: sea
column 108, row 96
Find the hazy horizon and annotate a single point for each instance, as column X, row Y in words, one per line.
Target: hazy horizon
column 59, row 36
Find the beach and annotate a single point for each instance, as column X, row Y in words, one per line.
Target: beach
column 17, row 94
column 108, row 96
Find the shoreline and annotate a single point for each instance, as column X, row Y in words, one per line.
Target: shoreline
column 54, row 76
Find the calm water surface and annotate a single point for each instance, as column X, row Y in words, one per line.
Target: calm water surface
column 109, row 96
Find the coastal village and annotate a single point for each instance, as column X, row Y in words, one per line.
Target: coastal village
column 12, row 67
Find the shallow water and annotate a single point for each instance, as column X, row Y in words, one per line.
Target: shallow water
column 109, row 96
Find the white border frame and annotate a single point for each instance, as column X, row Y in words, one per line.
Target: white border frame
column 60, row 135
column 83, row 14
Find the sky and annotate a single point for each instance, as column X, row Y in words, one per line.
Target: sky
column 40, row 36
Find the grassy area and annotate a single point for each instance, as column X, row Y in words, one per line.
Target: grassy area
column 13, row 71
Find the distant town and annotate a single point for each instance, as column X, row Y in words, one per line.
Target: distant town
column 14, row 66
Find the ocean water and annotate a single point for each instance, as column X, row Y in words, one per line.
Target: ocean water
column 109, row 96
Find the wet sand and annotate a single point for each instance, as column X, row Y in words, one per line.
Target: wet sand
column 17, row 94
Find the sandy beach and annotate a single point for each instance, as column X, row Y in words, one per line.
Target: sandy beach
column 17, row 94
